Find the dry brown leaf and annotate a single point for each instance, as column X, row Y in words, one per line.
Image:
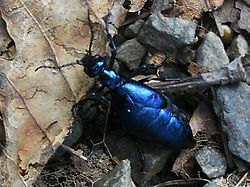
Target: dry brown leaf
column 216, row 3
column 155, row 57
column 118, row 15
column 36, row 105
column 7, row 51
column 194, row 69
column 184, row 163
column 203, row 120
column 193, row 9
column 136, row 5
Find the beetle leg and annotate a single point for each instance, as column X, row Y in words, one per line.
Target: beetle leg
column 77, row 119
column 144, row 67
column 138, row 147
column 142, row 156
column 181, row 79
column 93, row 97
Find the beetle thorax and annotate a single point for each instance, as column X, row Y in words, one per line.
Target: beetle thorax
column 110, row 79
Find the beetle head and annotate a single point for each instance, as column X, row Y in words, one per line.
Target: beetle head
column 94, row 65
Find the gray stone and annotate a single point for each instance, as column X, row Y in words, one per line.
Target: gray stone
column 241, row 165
column 167, row 34
column 239, row 47
column 131, row 53
column 185, row 55
column 119, row 39
column 120, row 176
column 155, row 161
column 122, row 147
column 245, row 61
column 211, row 53
column 133, row 29
column 231, row 105
column 212, row 162
column 244, row 21
column 247, row 2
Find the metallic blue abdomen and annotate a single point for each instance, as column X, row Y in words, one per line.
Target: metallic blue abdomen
column 151, row 116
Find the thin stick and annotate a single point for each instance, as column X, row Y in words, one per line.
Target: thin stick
column 242, row 179
column 72, row 151
column 181, row 182
column 104, row 133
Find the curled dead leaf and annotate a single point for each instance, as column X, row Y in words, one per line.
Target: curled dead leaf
column 203, row 120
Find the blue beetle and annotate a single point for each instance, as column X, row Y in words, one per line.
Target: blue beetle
column 147, row 114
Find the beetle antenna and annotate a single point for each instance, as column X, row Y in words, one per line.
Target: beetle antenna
column 91, row 32
column 111, row 41
column 78, row 62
